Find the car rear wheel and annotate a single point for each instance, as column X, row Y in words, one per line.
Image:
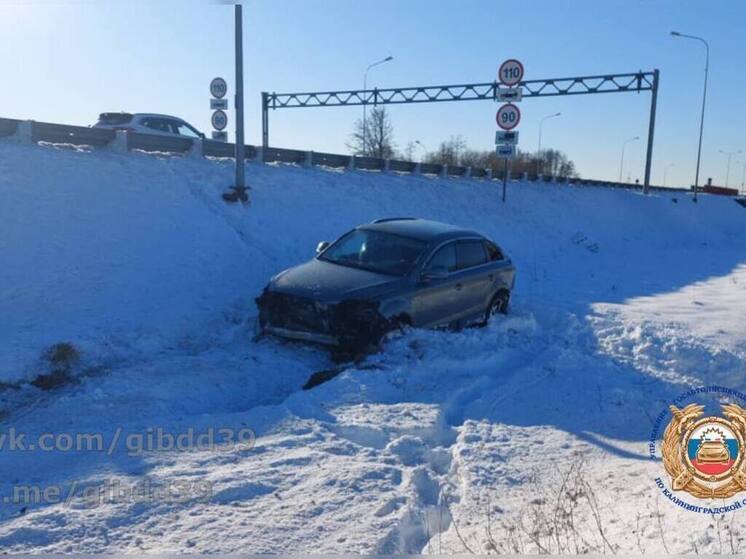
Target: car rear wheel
column 498, row 305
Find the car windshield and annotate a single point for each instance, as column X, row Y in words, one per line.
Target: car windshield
column 375, row 251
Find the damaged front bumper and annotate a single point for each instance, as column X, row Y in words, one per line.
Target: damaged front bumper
column 301, row 336
column 349, row 324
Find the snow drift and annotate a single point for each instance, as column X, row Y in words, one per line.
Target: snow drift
column 442, row 443
column 130, row 254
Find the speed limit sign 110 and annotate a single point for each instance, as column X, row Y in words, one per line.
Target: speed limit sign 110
column 510, row 72
column 508, row 116
column 218, row 88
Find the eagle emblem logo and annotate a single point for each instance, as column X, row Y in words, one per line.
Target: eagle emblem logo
column 705, row 455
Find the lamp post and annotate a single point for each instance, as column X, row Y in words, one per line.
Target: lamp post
column 621, row 163
column 729, row 154
column 743, row 175
column 704, row 99
column 665, row 173
column 424, row 149
column 365, row 103
column 538, row 151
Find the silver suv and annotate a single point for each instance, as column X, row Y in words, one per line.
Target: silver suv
column 148, row 123
column 386, row 274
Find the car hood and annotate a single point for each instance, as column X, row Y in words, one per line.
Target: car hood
column 324, row 281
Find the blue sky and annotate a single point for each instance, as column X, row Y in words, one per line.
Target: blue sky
column 67, row 62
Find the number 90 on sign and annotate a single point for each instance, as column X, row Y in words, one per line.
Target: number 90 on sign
column 219, row 120
column 508, row 116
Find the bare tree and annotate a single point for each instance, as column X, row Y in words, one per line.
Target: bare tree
column 555, row 163
column 551, row 161
column 407, row 154
column 476, row 158
column 375, row 137
column 448, row 153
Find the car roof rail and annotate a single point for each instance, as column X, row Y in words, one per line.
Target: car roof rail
column 385, row 219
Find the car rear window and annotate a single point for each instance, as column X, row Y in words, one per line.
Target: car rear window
column 493, row 251
column 470, row 253
column 114, row 118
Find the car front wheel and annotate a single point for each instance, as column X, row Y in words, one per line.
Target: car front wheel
column 498, row 305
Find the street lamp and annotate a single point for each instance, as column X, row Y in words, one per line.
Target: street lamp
column 743, row 175
column 365, row 104
column 665, row 172
column 704, row 99
column 727, row 169
column 538, row 151
column 424, row 149
column 621, row 164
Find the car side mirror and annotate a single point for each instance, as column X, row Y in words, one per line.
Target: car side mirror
column 321, row 247
column 202, row 135
column 435, row 273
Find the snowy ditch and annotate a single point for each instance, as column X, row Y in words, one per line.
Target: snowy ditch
column 443, row 442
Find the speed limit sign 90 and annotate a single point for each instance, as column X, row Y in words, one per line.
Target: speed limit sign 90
column 219, row 120
column 508, row 116
column 510, row 72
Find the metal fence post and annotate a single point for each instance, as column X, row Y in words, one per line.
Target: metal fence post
column 196, row 149
column 444, row 171
column 24, row 132
column 351, row 164
column 308, row 161
column 651, row 132
column 120, row 143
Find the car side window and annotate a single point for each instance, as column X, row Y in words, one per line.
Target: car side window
column 470, row 254
column 159, row 124
column 183, row 129
column 493, row 251
column 444, row 257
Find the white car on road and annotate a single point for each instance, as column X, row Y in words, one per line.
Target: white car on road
column 148, row 123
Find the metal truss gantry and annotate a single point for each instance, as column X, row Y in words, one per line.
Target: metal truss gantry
column 583, row 85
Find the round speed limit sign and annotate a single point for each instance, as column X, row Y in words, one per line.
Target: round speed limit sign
column 508, row 116
column 510, row 72
column 218, row 88
column 219, row 120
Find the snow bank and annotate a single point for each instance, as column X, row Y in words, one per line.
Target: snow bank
column 621, row 300
column 127, row 255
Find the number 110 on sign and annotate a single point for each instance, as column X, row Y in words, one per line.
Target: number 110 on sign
column 508, row 116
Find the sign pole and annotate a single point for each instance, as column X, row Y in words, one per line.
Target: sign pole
column 651, row 133
column 240, row 188
column 265, row 121
column 505, row 178
column 508, row 116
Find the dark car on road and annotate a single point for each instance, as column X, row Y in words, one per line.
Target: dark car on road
column 384, row 275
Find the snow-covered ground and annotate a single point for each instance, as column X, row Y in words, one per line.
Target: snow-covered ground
column 442, row 443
